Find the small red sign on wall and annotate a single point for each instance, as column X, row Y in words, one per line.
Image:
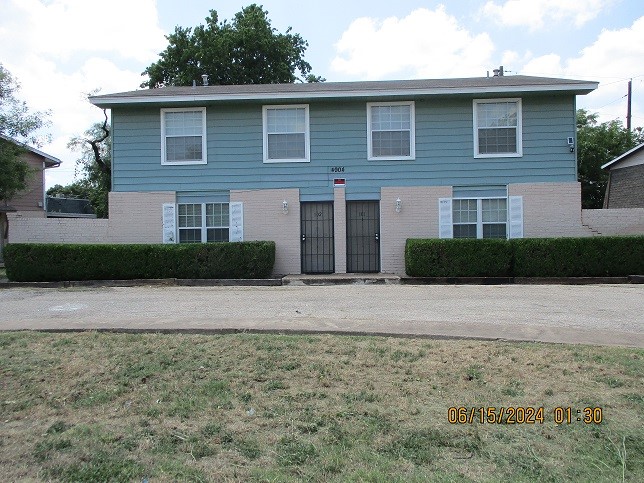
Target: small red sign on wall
column 339, row 182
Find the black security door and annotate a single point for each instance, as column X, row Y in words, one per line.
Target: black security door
column 317, row 237
column 363, row 236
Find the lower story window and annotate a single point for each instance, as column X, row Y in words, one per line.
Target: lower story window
column 203, row 222
column 480, row 218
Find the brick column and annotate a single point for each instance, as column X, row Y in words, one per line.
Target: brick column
column 340, row 230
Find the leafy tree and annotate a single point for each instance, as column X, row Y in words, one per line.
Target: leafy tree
column 14, row 173
column 18, row 125
column 17, row 121
column 597, row 144
column 78, row 189
column 94, row 165
column 246, row 51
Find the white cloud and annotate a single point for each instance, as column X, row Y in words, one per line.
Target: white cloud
column 534, row 14
column 426, row 43
column 614, row 57
column 64, row 28
column 60, row 50
column 66, row 96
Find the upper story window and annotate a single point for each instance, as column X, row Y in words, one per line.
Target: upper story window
column 391, row 130
column 183, row 136
column 286, row 133
column 497, row 128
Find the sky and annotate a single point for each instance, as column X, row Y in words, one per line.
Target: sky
column 61, row 50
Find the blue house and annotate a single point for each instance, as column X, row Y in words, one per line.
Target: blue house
column 339, row 175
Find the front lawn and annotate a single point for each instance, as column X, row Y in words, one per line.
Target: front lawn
column 124, row 407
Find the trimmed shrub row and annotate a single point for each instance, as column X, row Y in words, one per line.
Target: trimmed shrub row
column 60, row 262
column 527, row 257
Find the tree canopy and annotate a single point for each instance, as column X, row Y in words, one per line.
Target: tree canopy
column 597, row 144
column 17, row 120
column 247, row 50
column 18, row 125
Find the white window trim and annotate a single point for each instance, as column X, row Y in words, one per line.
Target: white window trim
column 204, row 153
column 204, row 225
column 519, row 128
column 412, row 134
column 307, row 141
column 479, row 215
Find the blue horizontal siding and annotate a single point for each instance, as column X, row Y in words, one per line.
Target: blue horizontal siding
column 338, row 135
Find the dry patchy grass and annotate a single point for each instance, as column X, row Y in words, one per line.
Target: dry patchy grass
column 122, row 407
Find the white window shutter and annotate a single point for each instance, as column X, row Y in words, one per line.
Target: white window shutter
column 169, row 223
column 236, row 212
column 445, row 228
column 515, row 205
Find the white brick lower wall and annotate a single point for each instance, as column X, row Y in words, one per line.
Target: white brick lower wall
column 550, row 209
column 134, row 218
column 138, row 217
column 340, row 230
column 264, row 219
column 24, row 229
column 418, row 218
column 615, row 221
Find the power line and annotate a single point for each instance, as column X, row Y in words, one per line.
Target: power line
column 611, row 102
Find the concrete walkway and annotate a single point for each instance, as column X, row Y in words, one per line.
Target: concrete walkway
column 587, row 314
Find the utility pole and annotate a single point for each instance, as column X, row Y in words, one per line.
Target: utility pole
column 628, row 105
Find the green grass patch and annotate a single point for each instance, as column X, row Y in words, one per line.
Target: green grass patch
column 239, row 407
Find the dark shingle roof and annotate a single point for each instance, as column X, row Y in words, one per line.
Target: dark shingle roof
column 330, row 90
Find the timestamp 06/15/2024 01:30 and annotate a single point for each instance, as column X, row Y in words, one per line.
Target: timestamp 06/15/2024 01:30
column 523, row 415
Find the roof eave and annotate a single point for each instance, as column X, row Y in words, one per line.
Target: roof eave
column 625, row 155
column 108, row 101
column 50, row 161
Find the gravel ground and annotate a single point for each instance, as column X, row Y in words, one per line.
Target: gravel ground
column 591, row 314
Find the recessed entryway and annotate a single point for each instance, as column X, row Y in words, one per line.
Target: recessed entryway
column 318, row 253
column 363, row 236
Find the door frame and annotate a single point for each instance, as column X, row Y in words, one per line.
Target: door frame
column 302, row 232
column 379, row 221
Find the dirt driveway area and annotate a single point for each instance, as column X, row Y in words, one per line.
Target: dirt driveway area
column 587, row 314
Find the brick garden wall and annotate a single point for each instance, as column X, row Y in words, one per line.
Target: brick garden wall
column 622, row 221
column 134, row 218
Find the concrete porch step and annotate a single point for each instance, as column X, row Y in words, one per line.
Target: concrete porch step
column 341, row 279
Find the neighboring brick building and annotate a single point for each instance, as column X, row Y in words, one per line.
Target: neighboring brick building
column 625, row 187
column 31, row 201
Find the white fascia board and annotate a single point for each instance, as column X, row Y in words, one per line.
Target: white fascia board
column 619, row 158
column 407, row 93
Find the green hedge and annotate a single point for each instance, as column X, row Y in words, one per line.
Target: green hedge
column 56, row 262
column 579, row 257
column 458, row 258
column 529, row 257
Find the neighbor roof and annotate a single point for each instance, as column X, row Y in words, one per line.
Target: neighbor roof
column 50, row 161
column 337, row 90
column 624, row 156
